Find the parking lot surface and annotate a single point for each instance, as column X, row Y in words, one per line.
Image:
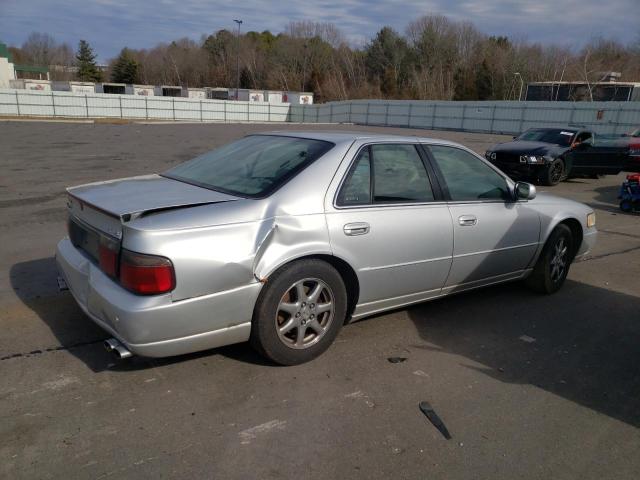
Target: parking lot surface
column 529, row 386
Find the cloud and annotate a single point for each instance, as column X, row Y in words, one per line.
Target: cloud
column 110, row 25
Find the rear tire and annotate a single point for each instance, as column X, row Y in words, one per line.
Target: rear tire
column 299, row 312
column 554, row 173
column 552, row 266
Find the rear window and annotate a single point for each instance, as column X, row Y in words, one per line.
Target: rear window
column 254, row 166
column 557, row 137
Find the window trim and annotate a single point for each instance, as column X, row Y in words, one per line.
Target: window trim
column 439, row 198
column 445, row 188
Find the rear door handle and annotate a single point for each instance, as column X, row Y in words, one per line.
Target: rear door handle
column 357, row 228
column 467, row 220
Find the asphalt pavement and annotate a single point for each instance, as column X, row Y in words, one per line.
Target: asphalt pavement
column 529, row 386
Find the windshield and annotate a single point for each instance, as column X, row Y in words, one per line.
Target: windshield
column 547, row 135
column 254, row 166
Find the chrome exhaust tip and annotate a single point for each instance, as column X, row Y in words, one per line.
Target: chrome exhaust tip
column 119, row 350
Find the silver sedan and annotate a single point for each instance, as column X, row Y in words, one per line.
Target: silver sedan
column 280, row 238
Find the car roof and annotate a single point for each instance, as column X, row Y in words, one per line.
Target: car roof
column 351, row 136
column 551, row 129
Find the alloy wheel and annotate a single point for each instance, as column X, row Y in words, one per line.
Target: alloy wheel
column 305, row 313
column 558, row 261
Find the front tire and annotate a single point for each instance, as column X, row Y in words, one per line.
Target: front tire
column 553, row 173
column 552, row 267
column 299, row 312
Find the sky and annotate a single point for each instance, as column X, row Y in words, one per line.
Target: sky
column 109, row 25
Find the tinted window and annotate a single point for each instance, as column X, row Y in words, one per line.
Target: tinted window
column 253, row 166
column 468, row 177
column 356, row 189
column 547, row 135
column 399, row 175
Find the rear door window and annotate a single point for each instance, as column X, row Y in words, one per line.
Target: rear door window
column 399, row 175
column 386, row 173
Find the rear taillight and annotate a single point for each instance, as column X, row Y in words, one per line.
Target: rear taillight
column 108, row 256
column 146, row 274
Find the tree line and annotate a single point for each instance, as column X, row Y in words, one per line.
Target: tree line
column 434, row 58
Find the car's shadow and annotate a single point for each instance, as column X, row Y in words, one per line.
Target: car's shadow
column 35, row 283
column 582, row 344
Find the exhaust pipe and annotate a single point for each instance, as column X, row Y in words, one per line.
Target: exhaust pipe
column 119, row 350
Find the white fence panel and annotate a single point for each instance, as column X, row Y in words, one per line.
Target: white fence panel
column 490, row 116
column 160, row 108
column 9, row 103
column 104, row 106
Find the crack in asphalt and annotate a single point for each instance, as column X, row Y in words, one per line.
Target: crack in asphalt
column 613, row 232
column 604, row 255
column 37, row 352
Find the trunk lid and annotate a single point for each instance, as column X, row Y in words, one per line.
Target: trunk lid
column 98, row 210
column 144, row 194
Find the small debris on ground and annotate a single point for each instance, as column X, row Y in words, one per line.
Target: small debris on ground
column 433, row 417
column 396, row 359
column 527, row 338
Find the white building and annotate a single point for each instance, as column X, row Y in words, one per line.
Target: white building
column 7, row 69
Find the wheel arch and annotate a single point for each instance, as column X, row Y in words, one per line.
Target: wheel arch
column 346, row 271
column 576, row 231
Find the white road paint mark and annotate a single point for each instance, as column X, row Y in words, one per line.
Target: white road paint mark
column 251, row 433
column 421, row 373
column 356, row 394
column 149, row 380
column 527, row 338
column 58, row 384
column 359, row 394
column 61, row 382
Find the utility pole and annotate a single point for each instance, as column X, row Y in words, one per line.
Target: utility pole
column 239, row 22
column 517, row 74
column 304, row 66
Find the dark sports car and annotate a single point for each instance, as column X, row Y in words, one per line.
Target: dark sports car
column 550, row 155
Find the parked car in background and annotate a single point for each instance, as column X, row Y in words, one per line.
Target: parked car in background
column 551, row 155
column 279, row 238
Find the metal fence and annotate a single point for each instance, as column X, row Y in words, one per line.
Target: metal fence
column 485, row 117
column 73, row 105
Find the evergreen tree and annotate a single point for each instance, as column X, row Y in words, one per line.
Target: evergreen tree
column 483, row 82
column 125, row 68
column 86, row 60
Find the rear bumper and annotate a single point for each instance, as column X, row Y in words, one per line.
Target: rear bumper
column 156, row 326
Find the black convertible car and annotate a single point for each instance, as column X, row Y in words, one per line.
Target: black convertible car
column 550, row 155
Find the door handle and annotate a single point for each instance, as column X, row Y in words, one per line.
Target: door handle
column 467, row 220
column 357, row 228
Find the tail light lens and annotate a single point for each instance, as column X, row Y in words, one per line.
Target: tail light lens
column 108, row 256
column 146, row 274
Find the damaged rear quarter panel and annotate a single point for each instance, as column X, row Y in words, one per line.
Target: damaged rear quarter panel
column 212, row 247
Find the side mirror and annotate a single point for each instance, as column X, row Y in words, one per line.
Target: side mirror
column 525, row 191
